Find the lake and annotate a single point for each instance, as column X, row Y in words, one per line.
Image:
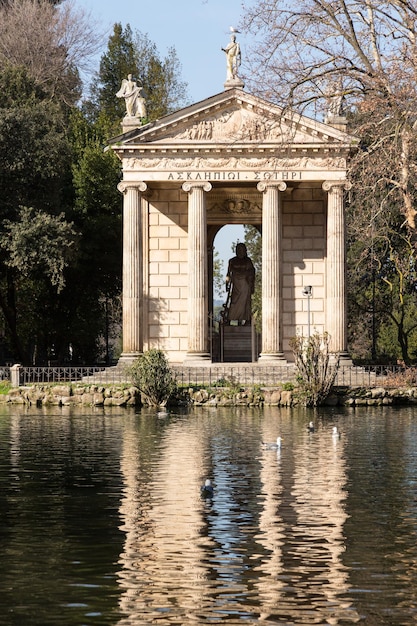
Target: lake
column 102, row 520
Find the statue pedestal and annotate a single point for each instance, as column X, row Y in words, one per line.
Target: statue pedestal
column 237, row 344
column 234, row 83
column 130, row 123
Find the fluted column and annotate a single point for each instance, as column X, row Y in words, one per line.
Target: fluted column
column 198, row 348
column 132, row 269
column 271, row 270
column 336, row 303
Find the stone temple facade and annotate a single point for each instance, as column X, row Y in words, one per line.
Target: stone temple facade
column 232, row 159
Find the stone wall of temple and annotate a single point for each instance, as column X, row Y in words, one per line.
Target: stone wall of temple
column 166, row 273
column 165, row 277
column 303, row 263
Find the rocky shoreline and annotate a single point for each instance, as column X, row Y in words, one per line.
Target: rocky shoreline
column 122, row 395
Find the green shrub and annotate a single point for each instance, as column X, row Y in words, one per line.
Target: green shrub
column 5, row 387
column 154, row 378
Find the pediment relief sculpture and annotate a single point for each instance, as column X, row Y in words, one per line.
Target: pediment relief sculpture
column 237, row 124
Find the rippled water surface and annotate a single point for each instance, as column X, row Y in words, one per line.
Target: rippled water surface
column 102, row 521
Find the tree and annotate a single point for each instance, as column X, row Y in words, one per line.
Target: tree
column 38, row 243
column 120, row 60
column 95, row 275
column 164, row 90
column 218, row 274
column 381, row 279
column 320, row 56
column 36, row 237
column 53, row 43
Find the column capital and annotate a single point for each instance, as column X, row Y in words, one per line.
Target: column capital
column 205, row 186
column 124, row 185
column 269, row 184
column 330, row 185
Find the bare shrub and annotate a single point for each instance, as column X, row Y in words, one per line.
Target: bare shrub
column 406, row 377
column 315, row 374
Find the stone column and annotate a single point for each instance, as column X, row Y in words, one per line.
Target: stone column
column 336, row 303
column 198, row 348
column 271, row 270
column 132, row 269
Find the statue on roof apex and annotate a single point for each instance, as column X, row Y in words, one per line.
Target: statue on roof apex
column 135, row 103
column 336, row 106
column 233, row 60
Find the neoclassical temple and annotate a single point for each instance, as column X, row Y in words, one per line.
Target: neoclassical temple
column 232, row 159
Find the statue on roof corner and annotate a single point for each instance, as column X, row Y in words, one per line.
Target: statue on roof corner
column 135, row 103
column 233, row 60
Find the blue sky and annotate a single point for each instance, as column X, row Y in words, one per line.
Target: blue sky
column 197, row 29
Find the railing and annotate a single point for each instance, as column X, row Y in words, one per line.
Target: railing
column 4, row 372
column 376, row 376
column 31, row 375
column 215, row 374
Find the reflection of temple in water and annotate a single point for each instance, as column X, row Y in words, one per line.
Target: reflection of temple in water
column 272, row 552
column 163, row 560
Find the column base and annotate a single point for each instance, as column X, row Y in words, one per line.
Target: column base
column 197, row 358
column 128, row 358
column 272, row 357
column 344, row 359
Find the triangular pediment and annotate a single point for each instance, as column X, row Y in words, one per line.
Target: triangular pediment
column 233, row 118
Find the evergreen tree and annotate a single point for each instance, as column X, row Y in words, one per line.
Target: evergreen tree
column 120, row 60
column 96, row 274
column 34, row 178
column 163, row 88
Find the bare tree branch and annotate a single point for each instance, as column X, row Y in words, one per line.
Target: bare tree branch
column 364, row 51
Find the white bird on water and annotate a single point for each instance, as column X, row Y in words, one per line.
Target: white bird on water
column 335, row 433
column 274, row 446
